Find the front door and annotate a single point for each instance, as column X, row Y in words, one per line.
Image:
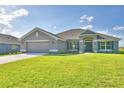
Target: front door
column 88, row 46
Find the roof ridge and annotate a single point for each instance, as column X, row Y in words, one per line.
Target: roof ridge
column 72, row 30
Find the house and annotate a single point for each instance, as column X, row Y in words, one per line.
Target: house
column 9, row 44
column 79, row 40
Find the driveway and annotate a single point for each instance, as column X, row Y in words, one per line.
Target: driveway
column 11, row 58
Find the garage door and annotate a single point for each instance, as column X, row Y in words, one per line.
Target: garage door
column 38, row 47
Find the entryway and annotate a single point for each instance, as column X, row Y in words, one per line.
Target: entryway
column 88, row 43
column 88, row 46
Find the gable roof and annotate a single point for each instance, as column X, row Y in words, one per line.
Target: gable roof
column 70, row 34
column 103, row 36
column 9, row 39
column 75, row 33
column 8, row 36
column 87, row 32
column 44, row 31
column 99, row 35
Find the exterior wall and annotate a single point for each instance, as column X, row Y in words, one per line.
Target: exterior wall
column 9, row 48
column 81, row 46
column 23, row 46
column 116, row 47
column 61, row 46
column 95, row 46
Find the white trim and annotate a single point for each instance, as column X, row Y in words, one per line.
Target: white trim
column 53, row 50
column 37, row 41
column 104, row 40
column 105, row 50
column 8, row 43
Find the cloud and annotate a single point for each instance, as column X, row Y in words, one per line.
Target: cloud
column 88, row 18
column 103, row 31
column 6, row 20
column 19, row 13
column 9, row 31
column 118, row 27
column 107, row 33
column 81, row 21
column 87, row 27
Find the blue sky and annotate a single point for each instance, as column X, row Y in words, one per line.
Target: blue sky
column 18, row 20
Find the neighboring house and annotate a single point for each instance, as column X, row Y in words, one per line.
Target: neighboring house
column 79, row 40
column 9, row 44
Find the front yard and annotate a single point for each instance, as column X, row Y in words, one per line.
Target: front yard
column 78, row 70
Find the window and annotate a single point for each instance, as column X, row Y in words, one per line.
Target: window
column 72, row 45
column 102, row 45
column 106, row 45
column 109, row 45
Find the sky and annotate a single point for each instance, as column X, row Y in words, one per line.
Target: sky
column 17, row 20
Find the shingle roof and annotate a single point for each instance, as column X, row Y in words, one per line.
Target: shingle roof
column 39, row 29
column 75, row 33
column 70, row 34
column 8, row 35
column 50, row 33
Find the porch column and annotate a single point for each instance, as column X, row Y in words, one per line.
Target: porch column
column 81, row 46
column 95, row 46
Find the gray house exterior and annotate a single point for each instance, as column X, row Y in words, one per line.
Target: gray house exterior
column 9, row 44
column 39, row 40
column 74, row 40
column 88, row 41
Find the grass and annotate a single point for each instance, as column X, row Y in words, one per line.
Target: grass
column 122, row 50
column 65, row 71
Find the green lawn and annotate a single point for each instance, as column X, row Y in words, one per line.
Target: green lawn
column 78, row 70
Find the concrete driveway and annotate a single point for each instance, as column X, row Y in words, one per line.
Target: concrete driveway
column 11, row 58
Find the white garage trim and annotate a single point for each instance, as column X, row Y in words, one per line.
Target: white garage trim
column 37, row 41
